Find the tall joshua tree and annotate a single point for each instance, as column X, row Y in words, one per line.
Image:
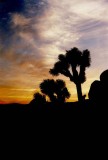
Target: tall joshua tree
column 55, row 90
column 73, row 65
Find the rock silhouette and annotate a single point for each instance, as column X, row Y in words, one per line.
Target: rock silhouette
column 98, row 89
column 95, row 91
column 68, row 65
column 55, row 90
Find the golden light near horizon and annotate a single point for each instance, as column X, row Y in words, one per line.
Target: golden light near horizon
column 34, row 33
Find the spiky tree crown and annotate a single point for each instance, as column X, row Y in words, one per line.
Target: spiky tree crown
column 60, row 83
column 59, row 67
column 51, row 87
column 73, row 56
column 47, row 86
column 85, row 58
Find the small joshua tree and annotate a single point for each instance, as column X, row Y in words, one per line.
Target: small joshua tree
column 55, row 90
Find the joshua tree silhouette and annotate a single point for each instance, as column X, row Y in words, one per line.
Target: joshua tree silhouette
column 73, row 65
column 61, row 90
column 55, row 90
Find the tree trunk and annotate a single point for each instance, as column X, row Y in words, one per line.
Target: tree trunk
column 77, row 82
column 79, row 92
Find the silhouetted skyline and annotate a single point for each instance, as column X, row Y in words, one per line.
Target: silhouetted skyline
column 34, row 32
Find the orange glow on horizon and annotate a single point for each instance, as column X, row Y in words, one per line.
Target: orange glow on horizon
column 25, row 95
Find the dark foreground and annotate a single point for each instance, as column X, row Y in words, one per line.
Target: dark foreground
column 64, row 111
column 66, row 108
column 59, row 124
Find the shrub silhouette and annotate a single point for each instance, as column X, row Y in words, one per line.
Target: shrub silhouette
column 73, row 65
column 55, row 90
column 38, row 99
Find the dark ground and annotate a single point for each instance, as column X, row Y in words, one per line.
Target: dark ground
column 66, row 108
column 70, row 110
column 55, row 126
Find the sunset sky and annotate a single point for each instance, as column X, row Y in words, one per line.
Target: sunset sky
column 34, row 32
